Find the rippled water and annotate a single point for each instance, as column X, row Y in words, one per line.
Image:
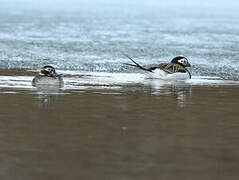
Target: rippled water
column 91, row 36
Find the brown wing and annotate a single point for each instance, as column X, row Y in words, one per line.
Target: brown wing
column 169, row 68
column 159, row 66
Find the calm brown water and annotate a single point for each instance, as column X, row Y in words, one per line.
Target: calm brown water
column 130, row 133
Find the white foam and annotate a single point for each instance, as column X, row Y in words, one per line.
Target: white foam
column 159, row 74
column 96, row 80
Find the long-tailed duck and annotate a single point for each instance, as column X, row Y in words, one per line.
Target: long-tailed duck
column 48, row 76
column 176, row 69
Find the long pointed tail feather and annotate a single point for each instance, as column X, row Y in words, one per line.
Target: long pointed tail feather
column 136, row 64
column 130, row 64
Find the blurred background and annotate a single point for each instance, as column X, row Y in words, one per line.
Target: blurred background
column 90, row 35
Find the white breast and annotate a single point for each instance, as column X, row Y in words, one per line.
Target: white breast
column 160, row 74
column 48, row 81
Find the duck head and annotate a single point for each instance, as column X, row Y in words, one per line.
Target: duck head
column 48, row 71
column 181, row 60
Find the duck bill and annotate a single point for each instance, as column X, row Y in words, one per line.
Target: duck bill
column 189, row 65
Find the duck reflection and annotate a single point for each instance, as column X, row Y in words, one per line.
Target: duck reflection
column 47, row 95
column 180, row 90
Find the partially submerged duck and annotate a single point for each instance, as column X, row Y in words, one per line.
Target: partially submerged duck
column 176, row 69
column 48, row 76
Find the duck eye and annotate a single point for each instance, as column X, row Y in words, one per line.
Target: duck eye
column 183, row 61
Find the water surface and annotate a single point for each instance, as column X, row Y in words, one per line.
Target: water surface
column 118, row 126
